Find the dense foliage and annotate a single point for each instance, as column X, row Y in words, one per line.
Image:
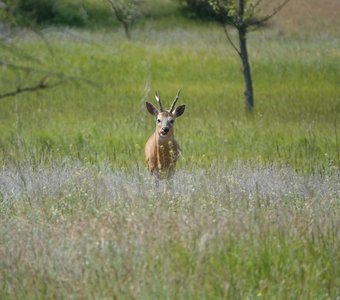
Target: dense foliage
column 60, row 12
column 203, row 9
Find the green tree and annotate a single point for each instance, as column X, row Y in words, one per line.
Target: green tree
column 245, row 15
column 126, row 12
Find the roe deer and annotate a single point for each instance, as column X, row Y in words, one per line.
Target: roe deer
column 161, row 149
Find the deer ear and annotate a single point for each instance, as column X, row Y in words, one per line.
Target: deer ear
column 179, row 110
column 151, row 109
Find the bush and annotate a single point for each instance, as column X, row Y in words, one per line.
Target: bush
column 28, row 12
column 70, row 13
column 203, row 10
column 37, row 10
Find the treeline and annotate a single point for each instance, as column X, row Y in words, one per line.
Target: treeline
column 80, row 13
column 76, row 13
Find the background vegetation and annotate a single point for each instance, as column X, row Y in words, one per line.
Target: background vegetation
column 253, row 211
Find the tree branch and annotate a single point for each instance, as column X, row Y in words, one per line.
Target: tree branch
column 259, row 22
column 32, row 88
column 117, row 10
column 257, row 3
column 46, row 74
column 230, row 40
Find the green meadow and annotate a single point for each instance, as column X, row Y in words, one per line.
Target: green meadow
column 253, row 211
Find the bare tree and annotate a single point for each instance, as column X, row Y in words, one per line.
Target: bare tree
column 45, row 79
column 126, row 12
column 245, row 15
column 11, row 54
column 21, row 72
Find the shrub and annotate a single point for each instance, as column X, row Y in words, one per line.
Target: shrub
column 202, row 9
column 28, row 12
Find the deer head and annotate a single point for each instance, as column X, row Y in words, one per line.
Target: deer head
column 165, row 119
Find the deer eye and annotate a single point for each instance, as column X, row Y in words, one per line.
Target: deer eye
column 158, row 120
column 172, row 121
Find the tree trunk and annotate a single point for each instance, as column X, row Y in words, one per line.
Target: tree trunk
column 127, row 30
column 248, row 84
column 242, row 35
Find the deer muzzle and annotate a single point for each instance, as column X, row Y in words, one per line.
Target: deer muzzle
column 164, row 131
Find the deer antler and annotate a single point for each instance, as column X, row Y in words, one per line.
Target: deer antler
column 174, row 103
column 159, row 102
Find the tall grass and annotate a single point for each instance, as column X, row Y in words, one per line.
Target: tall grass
column 72, row 231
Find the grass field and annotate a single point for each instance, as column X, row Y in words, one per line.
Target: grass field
column 254, row 209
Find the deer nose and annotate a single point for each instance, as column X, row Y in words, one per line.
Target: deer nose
column 165, row 129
